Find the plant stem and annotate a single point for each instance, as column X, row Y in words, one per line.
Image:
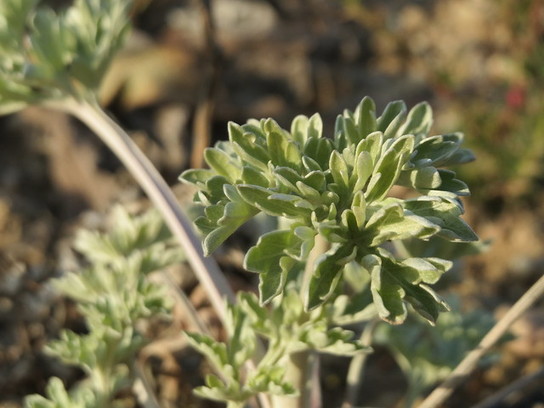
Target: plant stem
column 356, row 368
column 462, row 371
column 298, row 373
column 517, row 387
column 303, row 367
column 160, row 194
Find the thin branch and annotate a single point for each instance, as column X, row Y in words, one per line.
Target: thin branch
column 143, row 389
column 517, row 385
column 356, row 367
column 153, row 184
column 463, row 370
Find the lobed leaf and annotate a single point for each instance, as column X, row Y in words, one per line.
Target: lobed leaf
column 444, row 214
column 392, row 223
column 388, row 167
column 418, row 122
column 327, row 273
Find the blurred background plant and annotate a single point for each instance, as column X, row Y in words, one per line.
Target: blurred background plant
column 188, row 68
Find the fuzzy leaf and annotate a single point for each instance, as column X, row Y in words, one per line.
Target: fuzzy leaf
column 391, row 119
column 339, row 169
column 222, row 222
column 223, row 164
column 418, row 122
column 451, row 184
column 371, row 144
column 265, row 256
column 386, row 292
column 362, row 170
column 391, row 223
column 436, row 150
column 303, row 128
column 248, row 146
column 319, row 150
column 426, row 178
column 327, row 273
column 283, row 152
column 389, row 166
column 271, row 203
column 365, row 116
column 390, row 288
column 197, row 177
column 445, row 214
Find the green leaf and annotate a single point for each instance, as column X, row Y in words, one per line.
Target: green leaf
column 307, row 237
column 426, row 178
column 319, row 150
column 436, row 150
column 392, row 223
column 451, row 184
column 235, row 214
column 445, row 214
column 288, row 177
column 339, row 170
column 223, row 164
column 269, row 379
column 461, row 156
column 251, row 175
column 426, row 302
column 391, row 119
column 389, row 166
column 327, row 273
column 365, row 116
column 248, row 146
column 303, row 128
column 216, row 352
column 267, row 258
column 197, row 177
column 316, row 180
column 346, row 131
column 371, row 144
column 362, row 171
column 386, row 292
column 426, row 270
column 283, row 152
column 418, row 122
column 271, row 203
column 391, row 286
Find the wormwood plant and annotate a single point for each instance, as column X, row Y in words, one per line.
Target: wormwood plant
column 355, row 212
column 340, row 223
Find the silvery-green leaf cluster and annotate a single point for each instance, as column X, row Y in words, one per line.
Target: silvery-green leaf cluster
column 48, row 55
column 113, row 294
column 288, row 329
column 344, row 188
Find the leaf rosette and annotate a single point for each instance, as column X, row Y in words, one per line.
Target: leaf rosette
column 341, row 188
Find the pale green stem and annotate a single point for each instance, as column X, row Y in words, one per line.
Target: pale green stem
column 298, row 373
column 302, row 368
column 462, row 371
column 356, row 367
